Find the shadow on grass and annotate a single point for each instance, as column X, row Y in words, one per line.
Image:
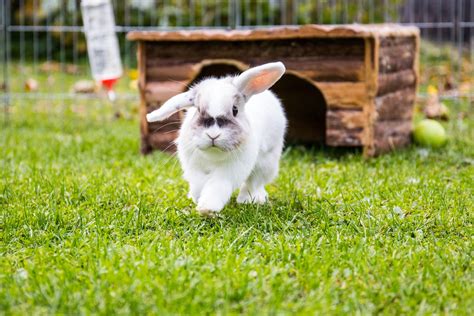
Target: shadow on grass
column 278, row 215
column 321, row 150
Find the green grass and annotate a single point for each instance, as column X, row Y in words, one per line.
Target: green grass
column 89, row 225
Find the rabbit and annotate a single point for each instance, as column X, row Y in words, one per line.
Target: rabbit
column 231, row 137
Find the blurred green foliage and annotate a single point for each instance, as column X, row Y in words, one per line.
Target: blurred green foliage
column 179, row 13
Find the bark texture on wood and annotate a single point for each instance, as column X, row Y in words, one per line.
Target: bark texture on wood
column 396, row 58
column 315, row 68
column 391, row 41
column 395, row 81
column 344, row 137
column 389, row 135
column 397, row 105
column 327, row 69
column 396, row 93
column 345, row 119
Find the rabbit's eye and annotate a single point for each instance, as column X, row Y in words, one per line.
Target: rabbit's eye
column 235, row 110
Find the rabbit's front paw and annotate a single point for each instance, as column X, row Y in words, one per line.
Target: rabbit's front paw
column 209, row 207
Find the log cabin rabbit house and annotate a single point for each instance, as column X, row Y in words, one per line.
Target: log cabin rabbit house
column 346, row 85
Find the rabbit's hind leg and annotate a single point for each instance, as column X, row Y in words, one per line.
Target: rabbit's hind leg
column 251, row 194
column 255, row 195
column 253, row 190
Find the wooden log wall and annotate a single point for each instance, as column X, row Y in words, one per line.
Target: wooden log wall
column 349, row 85
column 334, row 66
column 396, row 93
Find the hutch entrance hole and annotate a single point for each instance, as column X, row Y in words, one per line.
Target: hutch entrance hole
column 305, row 109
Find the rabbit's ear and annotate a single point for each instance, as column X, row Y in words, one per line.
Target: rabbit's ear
column 259, row 79
column 173, row 105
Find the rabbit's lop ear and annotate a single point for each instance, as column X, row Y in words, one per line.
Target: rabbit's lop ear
column 173, row 105
column 259, row 79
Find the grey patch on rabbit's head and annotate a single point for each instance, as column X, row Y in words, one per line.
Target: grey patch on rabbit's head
column 216, row 101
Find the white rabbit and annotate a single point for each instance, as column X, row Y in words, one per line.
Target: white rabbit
column 231, row 137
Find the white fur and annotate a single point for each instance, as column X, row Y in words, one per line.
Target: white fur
column 213, row 174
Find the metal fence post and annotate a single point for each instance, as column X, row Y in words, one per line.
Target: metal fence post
column 5, row 61
column 460, row 40
column 237, row 14
column 234, row 14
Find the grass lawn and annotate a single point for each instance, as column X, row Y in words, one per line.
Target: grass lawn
column 88, row 225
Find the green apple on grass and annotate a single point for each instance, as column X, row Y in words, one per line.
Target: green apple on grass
column 429, row 133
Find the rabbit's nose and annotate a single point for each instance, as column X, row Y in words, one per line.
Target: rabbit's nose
column 213, row 138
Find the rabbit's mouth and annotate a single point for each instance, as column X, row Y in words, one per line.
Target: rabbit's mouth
column 212, row 147
column 216, row 147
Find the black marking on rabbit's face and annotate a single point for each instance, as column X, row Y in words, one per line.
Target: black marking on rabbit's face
column 208, row 121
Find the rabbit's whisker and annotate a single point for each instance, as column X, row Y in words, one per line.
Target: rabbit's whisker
column 174, row 154
column 185, row 85
column 165, row 125
column 171, row 131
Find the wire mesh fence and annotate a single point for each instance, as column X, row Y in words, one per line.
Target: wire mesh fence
column 43, row 41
